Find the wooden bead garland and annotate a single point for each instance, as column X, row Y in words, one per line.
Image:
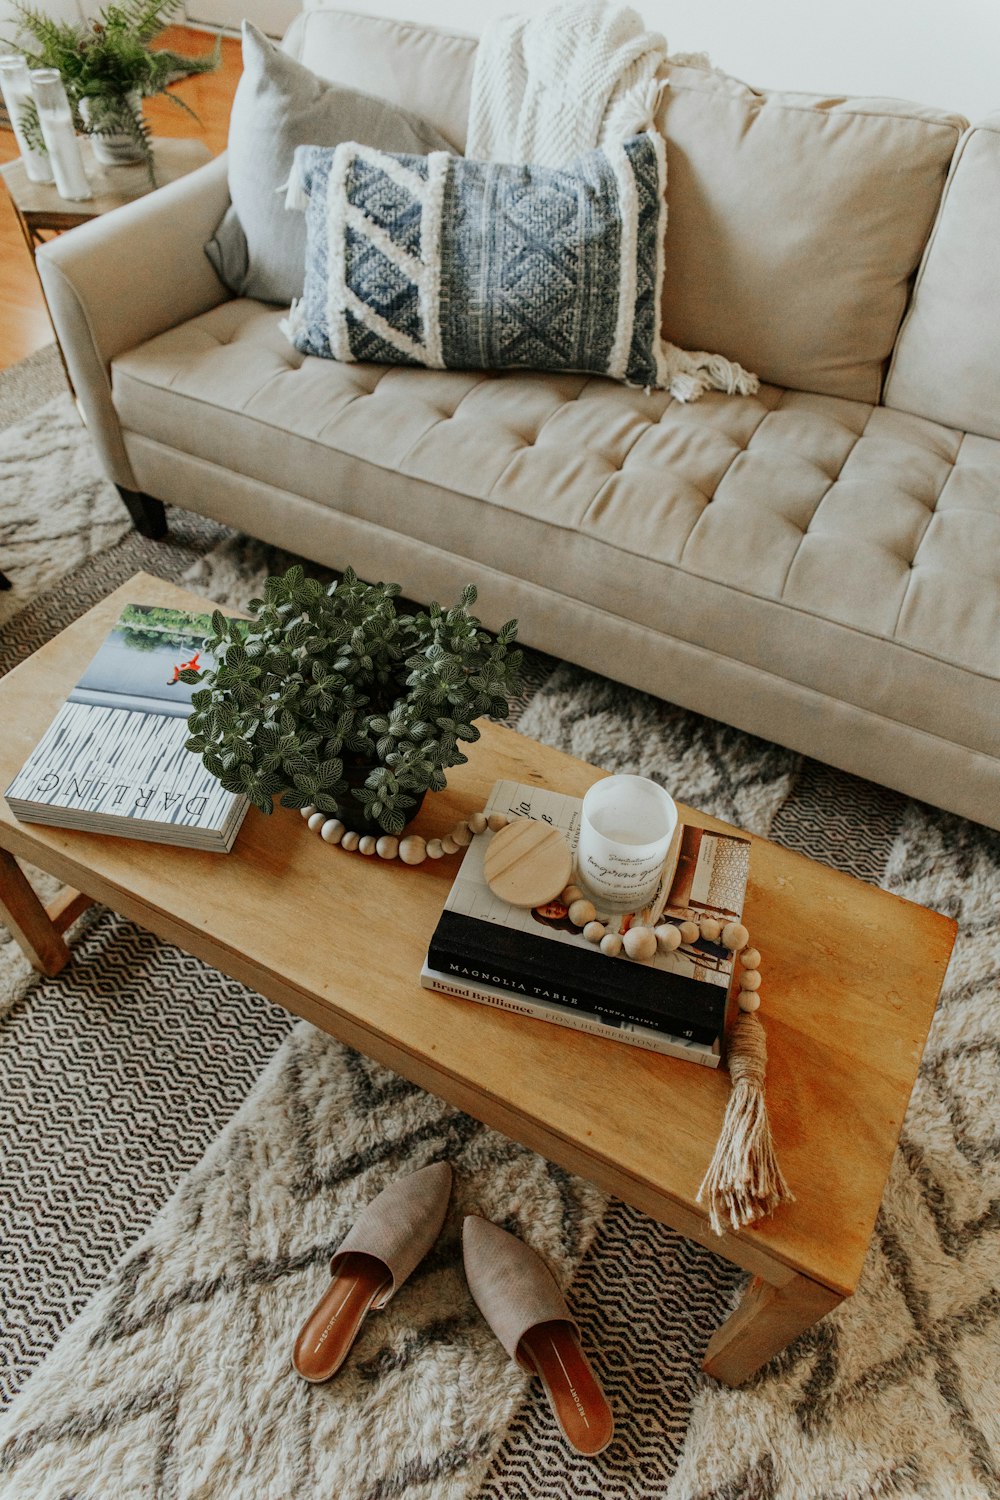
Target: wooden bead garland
column 641, row 943
column 411, row 849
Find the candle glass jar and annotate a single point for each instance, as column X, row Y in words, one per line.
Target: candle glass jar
column 15, row 86
column 626, row 827
column 56, row 120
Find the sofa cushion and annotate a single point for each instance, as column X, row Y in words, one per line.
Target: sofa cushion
column 848, row 549
column 567, row 277
column 796, row 223
column 946, row 363
column 259, row 250
column 422, row 68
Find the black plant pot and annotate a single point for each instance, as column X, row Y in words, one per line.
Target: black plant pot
column 353, row 814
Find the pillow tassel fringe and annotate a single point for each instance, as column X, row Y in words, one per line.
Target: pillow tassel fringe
column 744, row 1181
column 296, row 196
column 294, row 323
column 687, row 376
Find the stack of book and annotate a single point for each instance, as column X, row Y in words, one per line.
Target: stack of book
column 535, row 962
column 113, row 760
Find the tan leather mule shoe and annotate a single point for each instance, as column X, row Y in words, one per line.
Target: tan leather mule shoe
column 388, row 1241
column 517, row 1295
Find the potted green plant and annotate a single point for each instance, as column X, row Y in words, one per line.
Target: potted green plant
column 108, row 69
column 334, row 697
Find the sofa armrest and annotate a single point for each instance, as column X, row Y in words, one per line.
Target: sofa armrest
column 120, row 279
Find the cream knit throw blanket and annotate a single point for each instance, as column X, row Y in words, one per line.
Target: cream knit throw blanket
column 548, row 87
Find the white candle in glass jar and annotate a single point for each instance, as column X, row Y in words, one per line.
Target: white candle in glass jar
column 626, row 825
column 15, row 86
column 56, row 120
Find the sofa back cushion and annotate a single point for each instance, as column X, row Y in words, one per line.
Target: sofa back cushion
column 259, row 250
column 796, row 223
column 423, row 68
column 947, row 360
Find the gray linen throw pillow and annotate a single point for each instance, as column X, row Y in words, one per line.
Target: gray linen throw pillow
column 259, row 250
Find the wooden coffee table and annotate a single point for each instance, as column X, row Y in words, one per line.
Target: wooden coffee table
column 852, row 976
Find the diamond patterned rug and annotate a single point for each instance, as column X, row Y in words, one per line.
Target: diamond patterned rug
column 157, row 1248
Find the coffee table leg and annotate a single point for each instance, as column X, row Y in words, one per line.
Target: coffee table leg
column 37, row 930
column 766, row 1321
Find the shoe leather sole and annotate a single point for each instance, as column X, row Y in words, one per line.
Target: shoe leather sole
column 575, row 1395
column 325, row 1338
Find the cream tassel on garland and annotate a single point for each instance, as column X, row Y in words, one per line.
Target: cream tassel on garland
column 744, row 1181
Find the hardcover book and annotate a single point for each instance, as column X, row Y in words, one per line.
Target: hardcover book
column 522, row 1003
column 113, row 758
column 538, row 954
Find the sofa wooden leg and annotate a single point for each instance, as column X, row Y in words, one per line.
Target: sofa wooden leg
column 149, row 515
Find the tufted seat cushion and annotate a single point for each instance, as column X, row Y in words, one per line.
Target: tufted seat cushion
column 850, row 549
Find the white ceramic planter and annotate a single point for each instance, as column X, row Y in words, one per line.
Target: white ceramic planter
column 119, row 148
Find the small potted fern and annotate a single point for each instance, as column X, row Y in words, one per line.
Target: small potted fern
column 335, row 698
column 108, row 69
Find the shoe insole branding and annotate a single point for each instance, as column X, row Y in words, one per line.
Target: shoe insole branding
column 331, row 1328
column 578, row 1403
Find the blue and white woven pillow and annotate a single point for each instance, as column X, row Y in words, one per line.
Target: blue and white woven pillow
column 454, row 264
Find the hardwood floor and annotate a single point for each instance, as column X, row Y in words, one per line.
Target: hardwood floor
column 24, row 323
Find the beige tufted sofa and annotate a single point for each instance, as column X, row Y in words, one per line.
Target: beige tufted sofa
column 818, row 564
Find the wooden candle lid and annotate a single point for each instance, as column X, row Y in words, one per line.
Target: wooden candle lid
column 528, row 863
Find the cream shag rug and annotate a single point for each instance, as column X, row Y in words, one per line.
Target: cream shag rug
column 173, row 1379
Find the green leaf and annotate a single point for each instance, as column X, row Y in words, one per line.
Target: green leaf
column 299, row 765
column 330, row 772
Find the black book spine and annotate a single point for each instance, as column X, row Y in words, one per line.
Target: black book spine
column 673, row 1003
column 464, row 967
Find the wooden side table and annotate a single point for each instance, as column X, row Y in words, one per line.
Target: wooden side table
column 39, row 207
column 41, row 213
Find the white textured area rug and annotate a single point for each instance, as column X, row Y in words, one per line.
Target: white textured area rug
column 151, row 1286
column 41, row 461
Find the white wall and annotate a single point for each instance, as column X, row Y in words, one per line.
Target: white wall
column 61, row 10
column 947, row 55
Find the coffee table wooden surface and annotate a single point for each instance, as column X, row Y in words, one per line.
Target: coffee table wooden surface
column 852, row 976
